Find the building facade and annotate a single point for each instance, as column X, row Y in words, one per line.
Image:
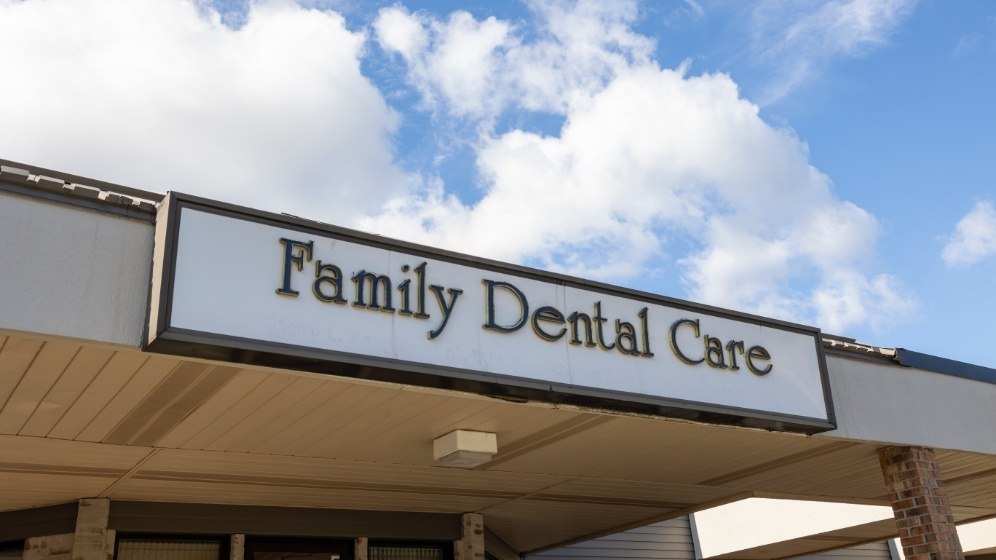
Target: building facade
column 186, row 377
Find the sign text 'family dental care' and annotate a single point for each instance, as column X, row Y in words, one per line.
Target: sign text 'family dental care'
column 230, row 277
column 374, row 291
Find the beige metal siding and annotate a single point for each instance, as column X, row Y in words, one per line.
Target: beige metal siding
column 870, row 551
column 668, row 540
column 879, row 402
column 73, row 272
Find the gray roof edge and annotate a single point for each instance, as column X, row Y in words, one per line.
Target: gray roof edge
column 846, row 345
column 76, row 186
column 908, row 358
column 945, row 366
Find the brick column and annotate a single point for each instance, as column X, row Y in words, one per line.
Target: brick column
column 471, row 545
column 923, row 513
column 93, row 541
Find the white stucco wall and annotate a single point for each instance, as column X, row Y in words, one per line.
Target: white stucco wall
column 73, row 272
column 900, row 405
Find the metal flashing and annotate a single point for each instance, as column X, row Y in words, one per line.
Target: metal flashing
column 846, row 345
column 78, row 191
column 49, row 183
column 25, row 168
column 945, row 366
column 908, row 358
column 13, row 174
column 82, row 190
column 74, row 189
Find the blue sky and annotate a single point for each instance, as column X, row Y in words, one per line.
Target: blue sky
column 830, row 163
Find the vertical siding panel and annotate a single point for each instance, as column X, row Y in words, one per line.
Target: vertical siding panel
column 672, row 540
column 667, row 540
column 870, row 551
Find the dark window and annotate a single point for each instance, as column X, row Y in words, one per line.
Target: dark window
column 410, row 551
column 168, row 549
column 262, row 548
column 12, row 550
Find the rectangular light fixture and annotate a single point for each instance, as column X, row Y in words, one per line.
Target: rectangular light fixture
column 464, row 449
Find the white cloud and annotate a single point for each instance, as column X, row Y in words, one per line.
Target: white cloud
column 967, row 45
column 401, row 32
column 460, row 63
column 974, row 238
column 654, row 171
column 477, row 68
column 695, row 8
column 845, row 297
column 847, row 26
column 657, row 156
column 161, row 94
column 796, row 39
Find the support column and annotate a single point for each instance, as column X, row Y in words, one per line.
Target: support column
column 93, row 541
column 919, row 504
column 471, row 544
column 361, row 548
column 237, row 547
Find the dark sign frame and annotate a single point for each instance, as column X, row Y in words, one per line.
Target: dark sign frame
column 162, row 337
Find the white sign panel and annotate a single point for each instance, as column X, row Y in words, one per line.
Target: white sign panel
column 252, row 281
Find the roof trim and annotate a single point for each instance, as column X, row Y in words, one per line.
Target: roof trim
column 77, row 191
column 151, row 196
column 850, row 348
column 843, row 346
column 945, row 366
